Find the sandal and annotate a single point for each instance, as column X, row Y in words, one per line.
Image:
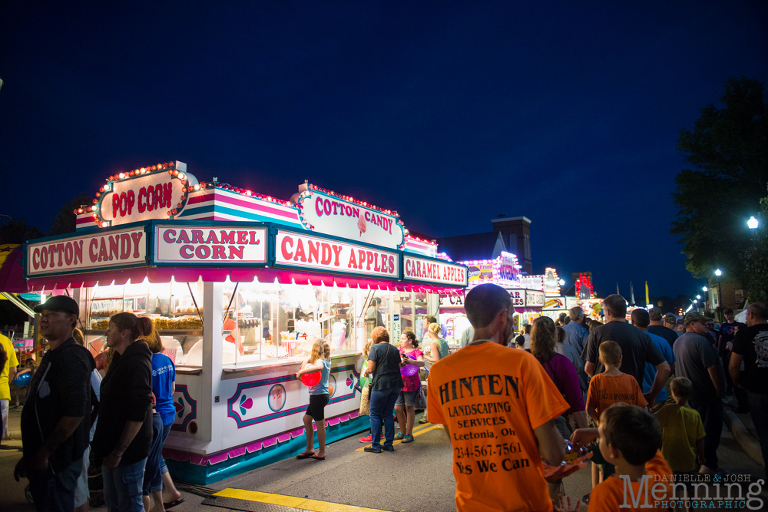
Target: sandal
column 399, row 436
column 305, row 455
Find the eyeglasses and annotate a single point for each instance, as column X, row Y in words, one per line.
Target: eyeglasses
column 46, row 314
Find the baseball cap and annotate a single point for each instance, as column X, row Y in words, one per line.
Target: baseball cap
column 59, row 303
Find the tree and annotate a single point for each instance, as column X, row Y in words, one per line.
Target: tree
column 728, row 148
column 66, row 220
column 16, row 231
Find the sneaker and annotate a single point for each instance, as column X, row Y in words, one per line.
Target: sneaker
column 388, row 448
column 399, row 436
column 369, row 438
column 423, row 421
column 371, row 449
column 408, row 439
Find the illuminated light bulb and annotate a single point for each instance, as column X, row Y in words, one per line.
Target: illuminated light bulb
column 143, row 169
column 182, row 175
column 122, row 175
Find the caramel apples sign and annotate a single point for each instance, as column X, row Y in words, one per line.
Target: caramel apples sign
column 298, row 250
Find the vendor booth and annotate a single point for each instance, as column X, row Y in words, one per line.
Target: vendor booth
column 239, row 286
column 527, row 293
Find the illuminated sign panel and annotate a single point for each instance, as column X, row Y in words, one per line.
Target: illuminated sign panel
column 117, row 248
column 221, row 245
column 310, row 252
column 433, row 271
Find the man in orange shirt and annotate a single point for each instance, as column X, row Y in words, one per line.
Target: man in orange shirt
column 499, row 407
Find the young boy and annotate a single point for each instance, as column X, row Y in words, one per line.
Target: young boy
column 683, row 432
column 606, row 389
column 629, row 439
column 612, row 386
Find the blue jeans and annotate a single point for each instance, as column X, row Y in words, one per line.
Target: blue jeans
column 711, row 413
column 122, row 487
column 153, row 473
column 55, row 491
column 382, row 405
column 758, row 408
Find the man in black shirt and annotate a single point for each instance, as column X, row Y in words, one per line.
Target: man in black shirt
column 55, row 421
column 658, row 329
column 750, row 349
column 636, row 347
column 696, row 360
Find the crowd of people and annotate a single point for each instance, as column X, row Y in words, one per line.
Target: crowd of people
column 642, row 395
column 645, row 398
column 73, row 417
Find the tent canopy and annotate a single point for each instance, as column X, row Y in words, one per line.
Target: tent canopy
column 11, row 271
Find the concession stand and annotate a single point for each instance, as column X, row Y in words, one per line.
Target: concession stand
column 239, row 286
column 527, row 293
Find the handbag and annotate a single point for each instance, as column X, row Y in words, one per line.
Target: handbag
column 365, row 401
column 421, row 400
column 365, row 398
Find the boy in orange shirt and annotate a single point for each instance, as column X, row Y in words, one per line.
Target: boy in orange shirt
column 630, row 438
column 608, row 388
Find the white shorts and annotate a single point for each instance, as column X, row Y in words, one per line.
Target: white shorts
column 81, row 491
column 4, row 412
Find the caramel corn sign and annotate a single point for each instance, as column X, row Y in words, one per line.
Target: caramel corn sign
column 221, row 245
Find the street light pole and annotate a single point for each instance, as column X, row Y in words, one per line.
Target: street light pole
column 719, row 273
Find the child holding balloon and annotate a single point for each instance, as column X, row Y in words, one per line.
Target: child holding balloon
column 318, row 361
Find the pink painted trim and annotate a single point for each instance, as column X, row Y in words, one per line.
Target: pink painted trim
column 85, row 220
column 215, row 458
column 257, row 204
column 253, row 205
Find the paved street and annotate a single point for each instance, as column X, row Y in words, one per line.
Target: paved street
column 417, row 477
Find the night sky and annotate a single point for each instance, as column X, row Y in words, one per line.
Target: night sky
column 450, row 113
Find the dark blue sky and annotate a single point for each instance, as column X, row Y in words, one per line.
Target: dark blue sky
column 449, row 112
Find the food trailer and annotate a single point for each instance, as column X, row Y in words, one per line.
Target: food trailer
column 239, row 286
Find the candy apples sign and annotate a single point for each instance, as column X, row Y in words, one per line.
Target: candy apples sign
column 434, row 271
column 223, row 245
column 356, row 221
column 154, row 192
column 309, row 252
column 117, row 248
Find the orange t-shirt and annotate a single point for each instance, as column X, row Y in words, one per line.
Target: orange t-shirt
column 491, row 398
column 606, row 390
column 614, row 492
